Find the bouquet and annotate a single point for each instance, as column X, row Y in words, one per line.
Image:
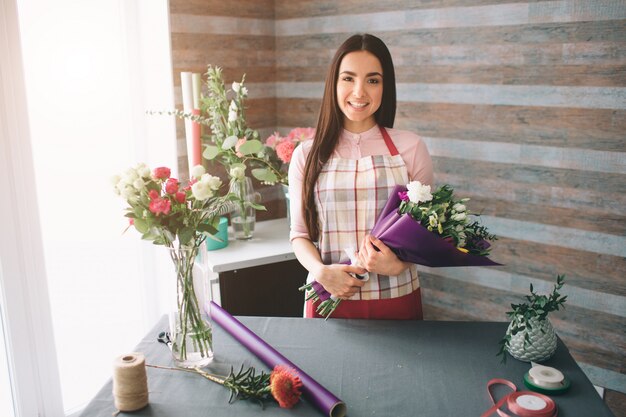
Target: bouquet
column 432, row 229
column 280, row 148
column 179, row 218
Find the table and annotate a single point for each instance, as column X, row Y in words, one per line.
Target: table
column 266, row 263
column 378, row 368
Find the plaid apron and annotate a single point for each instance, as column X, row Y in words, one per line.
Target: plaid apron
column 350, row 193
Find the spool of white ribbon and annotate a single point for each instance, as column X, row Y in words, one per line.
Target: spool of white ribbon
column 546, row 377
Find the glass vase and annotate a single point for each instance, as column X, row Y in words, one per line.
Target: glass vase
column 190, row 329
column 243, row 216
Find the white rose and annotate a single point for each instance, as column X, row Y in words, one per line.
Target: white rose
column 197, row 171
column 128, row 193
column 236, row 86
column 417, row 192
column 459, row 216
column 459, row 208
column 138, row 184
column 201, row 190
column 214, row 183
column 232, row 116
column 237, row 172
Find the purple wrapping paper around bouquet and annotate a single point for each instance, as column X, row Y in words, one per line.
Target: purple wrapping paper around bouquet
column 412, row 242
column 319, row 396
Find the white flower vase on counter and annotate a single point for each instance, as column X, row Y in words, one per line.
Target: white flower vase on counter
column 536, row 343
column 190, row 329
column 243, row 216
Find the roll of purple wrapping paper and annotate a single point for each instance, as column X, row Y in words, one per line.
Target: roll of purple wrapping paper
column 316, row 394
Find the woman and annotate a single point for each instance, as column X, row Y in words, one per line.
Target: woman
column 343, row 179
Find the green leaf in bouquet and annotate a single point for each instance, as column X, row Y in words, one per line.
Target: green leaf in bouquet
column 141, row 225
column 185, row 235
column 251, row 147
column 210, row 152
column 207, row 228
column 229, row 142
column 265, row 175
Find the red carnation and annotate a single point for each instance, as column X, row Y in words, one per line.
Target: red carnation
column 286, row 386
column 153, row 194
column 161, row 173
column 171, row 186
column 160, row 206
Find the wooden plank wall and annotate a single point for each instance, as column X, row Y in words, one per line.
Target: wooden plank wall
column 237, row 35
column 523, row 107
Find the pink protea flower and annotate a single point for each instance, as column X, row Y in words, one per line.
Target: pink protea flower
column 238, row 145
column 301, row 133
column 171, row 186
column 160, row 206
column 286, row 386
column 284, row 150
column 153, row 194
column 161, row 173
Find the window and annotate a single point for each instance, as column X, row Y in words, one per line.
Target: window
column 89, row 80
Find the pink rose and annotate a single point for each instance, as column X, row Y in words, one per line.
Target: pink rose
column 161, row 173
column 153, row 194
column 180, row 197
column 160, row 206
column 302, row 133
column 273, row 140
column 284, row 150
column 238, row 145
column 171, row 186
column 131, row 221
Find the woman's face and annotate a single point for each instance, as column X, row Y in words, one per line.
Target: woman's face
column 359, row 90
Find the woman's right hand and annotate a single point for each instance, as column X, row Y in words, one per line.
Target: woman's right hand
column 337, row 279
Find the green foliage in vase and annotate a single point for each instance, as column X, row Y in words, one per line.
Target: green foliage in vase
column 536, row 308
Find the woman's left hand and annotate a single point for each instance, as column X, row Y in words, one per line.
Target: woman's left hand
column 382, row 261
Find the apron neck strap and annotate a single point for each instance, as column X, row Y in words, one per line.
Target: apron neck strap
column 392, row 148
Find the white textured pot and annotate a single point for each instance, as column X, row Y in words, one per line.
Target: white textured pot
column 542, row 343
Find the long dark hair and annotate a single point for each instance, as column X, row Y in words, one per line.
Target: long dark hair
column 330, row 121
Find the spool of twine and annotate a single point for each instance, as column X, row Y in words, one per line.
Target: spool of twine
column 130, row 382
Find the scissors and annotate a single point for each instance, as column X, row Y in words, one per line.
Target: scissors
column 164, row 337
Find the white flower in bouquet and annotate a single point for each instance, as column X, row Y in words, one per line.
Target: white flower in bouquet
column 237, row 172
column 197, row 171
column 213, row 182
column 418, row 192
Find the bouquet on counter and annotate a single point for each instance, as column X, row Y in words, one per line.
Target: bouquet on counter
column 431, row 229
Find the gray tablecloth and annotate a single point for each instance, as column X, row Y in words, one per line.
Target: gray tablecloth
column 378, row 368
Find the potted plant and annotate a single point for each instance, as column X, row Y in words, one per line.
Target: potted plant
column 530, row 335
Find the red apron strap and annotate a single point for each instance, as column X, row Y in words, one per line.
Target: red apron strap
column 392, row 148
